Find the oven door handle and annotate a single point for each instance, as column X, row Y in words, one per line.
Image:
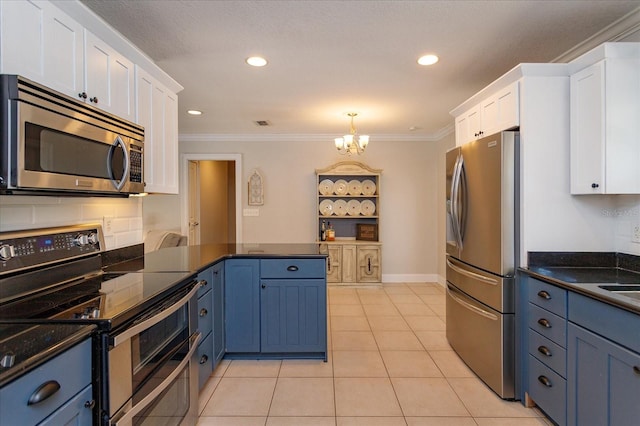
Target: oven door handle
column 148, row 323
column 127, row 418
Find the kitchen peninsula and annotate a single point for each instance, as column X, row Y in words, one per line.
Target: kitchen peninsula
column 255, row 300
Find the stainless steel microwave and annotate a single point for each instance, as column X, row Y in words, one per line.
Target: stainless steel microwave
column 52, row 144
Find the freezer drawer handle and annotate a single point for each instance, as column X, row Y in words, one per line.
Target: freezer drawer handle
column 544, row 295
column 472, row 274
column 544, row 350
column 470, row 307
column 544, row 322
column 545, row 381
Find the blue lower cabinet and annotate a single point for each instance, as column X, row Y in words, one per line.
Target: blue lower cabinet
column 605, row 381
column 218, row 313
column 77, row 411
column 242, row 305
column 293, row 315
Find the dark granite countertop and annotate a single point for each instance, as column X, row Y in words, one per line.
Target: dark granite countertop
column 25, row 346
column 195, row 258
column 591, row 274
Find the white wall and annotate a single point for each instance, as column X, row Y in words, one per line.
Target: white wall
column 409, row 223
column 28, row 212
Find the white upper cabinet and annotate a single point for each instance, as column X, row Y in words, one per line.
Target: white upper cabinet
column 497, row 112
column 605, row 121
column 157, row 111
column 42, row 43
column 109, row 78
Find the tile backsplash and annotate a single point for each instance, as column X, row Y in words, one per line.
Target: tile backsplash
column 29, row 212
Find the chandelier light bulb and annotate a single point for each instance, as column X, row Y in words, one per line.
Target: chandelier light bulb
column 352, row 143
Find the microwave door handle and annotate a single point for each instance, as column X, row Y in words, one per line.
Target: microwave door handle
column 127, row 418
column 118, row 143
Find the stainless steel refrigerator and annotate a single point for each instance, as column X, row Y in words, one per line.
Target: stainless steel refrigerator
column 482, row 240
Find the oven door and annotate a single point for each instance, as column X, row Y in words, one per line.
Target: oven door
column 152, row 368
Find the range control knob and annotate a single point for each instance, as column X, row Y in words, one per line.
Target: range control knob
column 6, row 252
column 92, row 238
column 81, row 240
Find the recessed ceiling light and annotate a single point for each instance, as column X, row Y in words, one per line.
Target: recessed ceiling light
column 257, row 61
column 194, row 112
column 428, row 60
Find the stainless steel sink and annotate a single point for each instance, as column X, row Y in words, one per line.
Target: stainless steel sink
column 632, row 291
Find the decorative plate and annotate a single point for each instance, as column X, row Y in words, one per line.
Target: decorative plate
column 368, row 187
column 340, row 187
column 326, row 207
column 340, row 207
column 354, row 187
column 353, row 208
column 326, row 187
column 367, row 208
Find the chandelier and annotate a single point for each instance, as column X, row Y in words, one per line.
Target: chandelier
column 352, row 143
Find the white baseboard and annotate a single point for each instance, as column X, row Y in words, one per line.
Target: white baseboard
column 410, row 278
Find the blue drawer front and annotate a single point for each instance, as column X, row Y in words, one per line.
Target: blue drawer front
column 550, row 397
column 549, row 297
column 292, row 268
column 549, row 325
column 205, row 360
column 71, row 369
column 205, row 313
column 548, row 352
column 623, row 327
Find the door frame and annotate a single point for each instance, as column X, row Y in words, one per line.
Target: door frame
column 184, row 187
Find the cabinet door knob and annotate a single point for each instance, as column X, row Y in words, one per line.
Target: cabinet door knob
column 82, row 95
column 544, row 322
column 90, row 404
column 544, row 350
column 94, row 100
column 544, row 295
column 203, row 312
column 204, row 283
column 264, row 285
column 545, row 381
column 595, row 185
column 203, row 359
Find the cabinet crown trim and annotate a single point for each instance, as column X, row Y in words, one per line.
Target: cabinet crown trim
column 348, row 167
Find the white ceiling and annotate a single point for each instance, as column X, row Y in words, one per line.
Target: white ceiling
column 327, row 58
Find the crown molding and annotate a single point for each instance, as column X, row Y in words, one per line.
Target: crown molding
column 617, row 31
column 302, row 137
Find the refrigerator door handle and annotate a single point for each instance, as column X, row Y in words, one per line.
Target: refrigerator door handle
column 469, row 306
column 455, row 198
column 473, row 275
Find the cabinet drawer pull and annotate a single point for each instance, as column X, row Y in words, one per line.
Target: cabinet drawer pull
column 544, row 322
column 544, row 350
column 544, row 295
column 203, row 312
column 203, row 359
column 636, row 369
column 545, row 381
column 44, row 391
column 292, row 268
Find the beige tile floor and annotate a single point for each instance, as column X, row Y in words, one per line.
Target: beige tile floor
column 389, row 364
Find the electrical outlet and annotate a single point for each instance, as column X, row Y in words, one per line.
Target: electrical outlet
column 635, row 233
column 107, row 226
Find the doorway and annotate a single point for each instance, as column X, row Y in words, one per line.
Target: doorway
column 211, row 206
